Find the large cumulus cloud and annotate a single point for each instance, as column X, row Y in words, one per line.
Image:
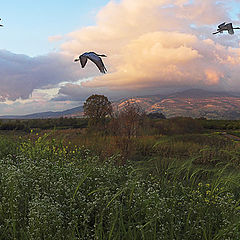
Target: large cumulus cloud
column 158, row 44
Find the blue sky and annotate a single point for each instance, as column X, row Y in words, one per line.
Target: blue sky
column 29, row 23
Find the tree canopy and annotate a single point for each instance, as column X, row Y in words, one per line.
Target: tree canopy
column 97, row 108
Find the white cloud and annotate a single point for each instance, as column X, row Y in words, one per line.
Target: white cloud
column 160, row 43
column 55, row 38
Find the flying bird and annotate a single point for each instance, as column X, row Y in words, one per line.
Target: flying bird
column 226, row 27
column 1, row 24
column 94, row 57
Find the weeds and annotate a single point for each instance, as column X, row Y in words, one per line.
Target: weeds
column 51, row 190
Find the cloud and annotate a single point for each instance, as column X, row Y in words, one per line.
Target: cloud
column 76, row 92
column 152, row 46
column 21, row 74
column 38, row 102
column 55, row 38
column 159, row 44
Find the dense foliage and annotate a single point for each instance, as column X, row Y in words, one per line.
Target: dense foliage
column 96, row 109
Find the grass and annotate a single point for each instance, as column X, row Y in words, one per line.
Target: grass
column 170, row 187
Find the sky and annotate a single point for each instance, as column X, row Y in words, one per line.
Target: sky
column 152, row 47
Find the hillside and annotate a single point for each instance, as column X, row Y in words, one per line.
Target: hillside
column 190, row 103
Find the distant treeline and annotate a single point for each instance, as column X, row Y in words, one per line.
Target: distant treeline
column 176, row 125
column 50, row 123
column 220, row 124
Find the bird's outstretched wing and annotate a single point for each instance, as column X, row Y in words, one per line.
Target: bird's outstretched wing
column 221, row 25
column 98, row 61
column 230, row 28
column 83, row 61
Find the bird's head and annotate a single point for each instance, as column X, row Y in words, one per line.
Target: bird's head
column 101, row 55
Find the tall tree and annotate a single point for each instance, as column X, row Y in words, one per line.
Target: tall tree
column 96, row 109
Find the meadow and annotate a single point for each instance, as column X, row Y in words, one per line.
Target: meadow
column 175, row 179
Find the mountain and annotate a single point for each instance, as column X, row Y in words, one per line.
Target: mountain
column 73, row 112
column 190, row 103
column 200, row 93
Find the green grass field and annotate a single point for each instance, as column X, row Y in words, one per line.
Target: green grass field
column 68, row 184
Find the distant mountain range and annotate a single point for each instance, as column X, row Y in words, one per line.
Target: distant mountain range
column 190, row 103
column 73, row 112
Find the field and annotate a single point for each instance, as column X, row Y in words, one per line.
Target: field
column 172, row 179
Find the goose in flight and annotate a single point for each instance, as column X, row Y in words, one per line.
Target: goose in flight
column 226, row 27
column 94, row 57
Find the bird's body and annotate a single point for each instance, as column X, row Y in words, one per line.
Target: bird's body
column 226, row 27
column 94, row 57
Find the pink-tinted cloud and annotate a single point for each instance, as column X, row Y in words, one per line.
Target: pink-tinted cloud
column 160, row 43
column 55, row 38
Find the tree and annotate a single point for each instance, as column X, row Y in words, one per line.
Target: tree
column 156, row 115
column 128, row 120
column 96, row 109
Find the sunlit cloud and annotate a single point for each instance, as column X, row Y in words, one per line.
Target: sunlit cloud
column 55, row 38
column 160, row 44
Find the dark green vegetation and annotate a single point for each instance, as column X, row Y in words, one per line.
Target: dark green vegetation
column 57, row 123
column 139, row 178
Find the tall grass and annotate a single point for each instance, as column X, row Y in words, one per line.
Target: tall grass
column 49, row 190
